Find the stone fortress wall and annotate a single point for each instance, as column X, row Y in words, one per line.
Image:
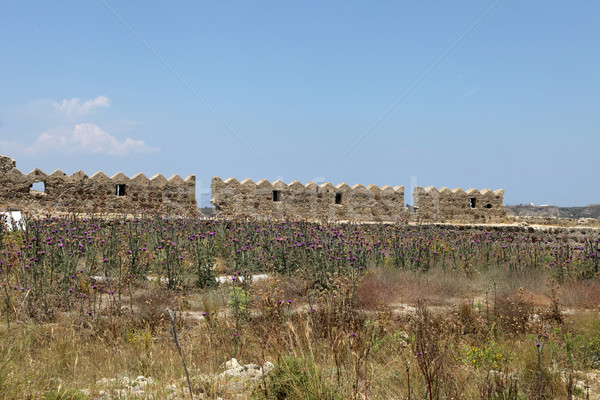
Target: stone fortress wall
column 311, row 201
column 457, row 205
column 95, row 194
column 120, row 194
column 357, row 203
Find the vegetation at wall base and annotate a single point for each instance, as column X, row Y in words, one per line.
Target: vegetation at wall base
column 342, row 311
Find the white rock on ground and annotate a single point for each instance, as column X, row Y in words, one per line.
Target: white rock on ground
column 247, row 372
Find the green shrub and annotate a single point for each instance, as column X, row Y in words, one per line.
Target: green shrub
column 238, row 301
column 593, row 350
column 299, row 379
column 490, row 355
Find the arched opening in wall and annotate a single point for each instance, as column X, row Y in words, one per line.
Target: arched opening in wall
column 473, row 202
column 37, row 187
column 276, row 195
column 120, row 190
column 488, row 205
column 338, row 198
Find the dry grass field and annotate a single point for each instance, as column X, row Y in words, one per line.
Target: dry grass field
column 341, row 311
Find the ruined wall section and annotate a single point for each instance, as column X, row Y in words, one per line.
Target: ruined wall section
column 457, row 205
column 95, row 194
column 311, row 201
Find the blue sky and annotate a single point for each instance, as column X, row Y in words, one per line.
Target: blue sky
column 285, row 90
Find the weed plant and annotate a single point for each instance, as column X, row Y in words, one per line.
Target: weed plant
column 349, row 311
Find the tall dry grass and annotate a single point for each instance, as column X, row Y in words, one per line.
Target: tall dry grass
column 346, row 344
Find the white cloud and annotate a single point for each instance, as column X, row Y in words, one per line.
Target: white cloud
column 87, row 138
column 74, row 108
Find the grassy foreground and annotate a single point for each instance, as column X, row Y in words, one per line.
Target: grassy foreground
column 347, row 311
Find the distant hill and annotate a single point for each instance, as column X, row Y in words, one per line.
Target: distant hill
column 591, row 211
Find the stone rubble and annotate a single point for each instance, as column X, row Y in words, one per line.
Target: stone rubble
column 233, row 379
column 124, row 387
column 245, row 372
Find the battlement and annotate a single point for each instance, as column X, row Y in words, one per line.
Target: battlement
column 96, row 194
column 308, row 201
column 41, row 192
column 458, row 205
column 354, row 203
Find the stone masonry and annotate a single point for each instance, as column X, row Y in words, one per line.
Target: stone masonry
column 357, row 203
column 457, row 205
column 311, row 201
column 120, row 194
column 95, row 194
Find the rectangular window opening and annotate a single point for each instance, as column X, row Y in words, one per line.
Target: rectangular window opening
column 38, row 187
column 276, row 195
column 338, row 198
column 473, row 202
column 120, row 190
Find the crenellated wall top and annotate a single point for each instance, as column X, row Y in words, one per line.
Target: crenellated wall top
column 310, row 186
column 8, row 167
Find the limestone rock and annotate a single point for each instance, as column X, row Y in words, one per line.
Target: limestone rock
column 6, row 164
column 245, row 372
